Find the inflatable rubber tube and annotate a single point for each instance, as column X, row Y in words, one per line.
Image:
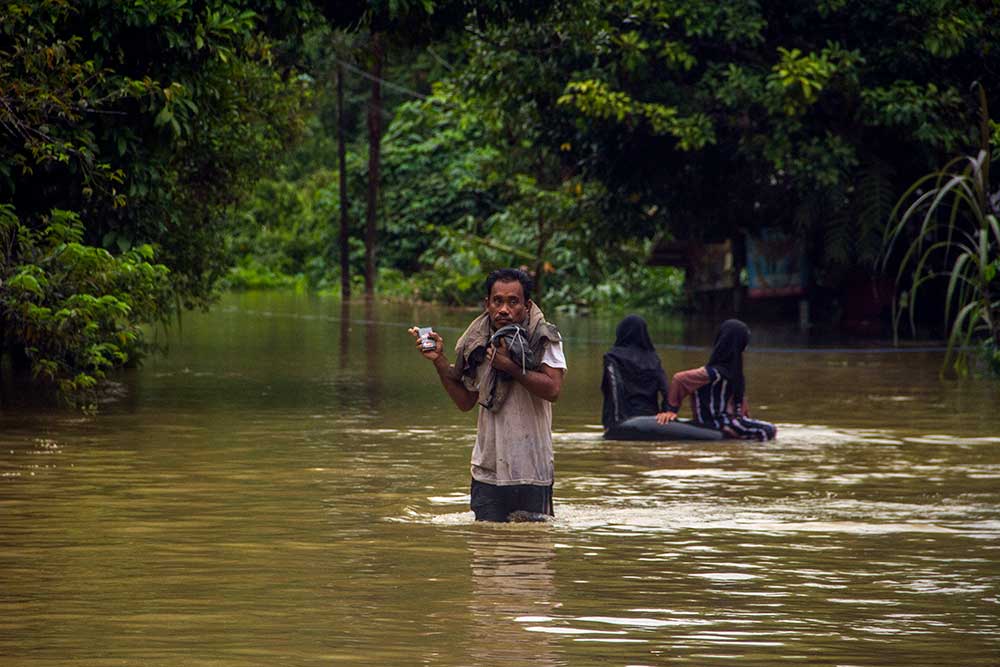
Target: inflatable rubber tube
column 646, row 428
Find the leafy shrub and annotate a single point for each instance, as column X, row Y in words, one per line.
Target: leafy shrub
column 954, row 235
column 286, row 233
column 75, row 311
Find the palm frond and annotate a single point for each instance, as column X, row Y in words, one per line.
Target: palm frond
column 875, row 202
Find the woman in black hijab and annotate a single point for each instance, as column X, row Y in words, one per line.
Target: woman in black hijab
column 727, row 355
column 633, row 376
column 718, row 389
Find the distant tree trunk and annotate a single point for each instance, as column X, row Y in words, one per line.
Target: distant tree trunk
column 345, row 231
column 345, row 334
column 374, row 149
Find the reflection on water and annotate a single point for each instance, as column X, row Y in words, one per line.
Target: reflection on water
column 512, row 579
column 290, row 486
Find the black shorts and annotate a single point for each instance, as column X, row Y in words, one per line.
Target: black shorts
column 495, row 503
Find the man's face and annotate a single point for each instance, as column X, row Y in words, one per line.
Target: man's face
column 506, row 304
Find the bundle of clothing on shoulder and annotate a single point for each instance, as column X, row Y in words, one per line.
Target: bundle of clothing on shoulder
column 524, row 342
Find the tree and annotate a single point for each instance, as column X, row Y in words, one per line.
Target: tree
column 403, row 25
column 704, row 120
column 75, row 311
column 127, row 131
column 374, row 152
column 460, row 203
column 344, row 244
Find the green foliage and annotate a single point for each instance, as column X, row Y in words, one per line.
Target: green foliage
column 596, row 100
column 76, row 310
column 654, row 109
column 797, row 80
column 286, row 233
column 563, row 136
column 745, row 114
column 907, row 105
column 691, row 119
column 50, row 87
column 953, row 233
column 455, row 206
column 250, row 274
column 437, row 161
column 626, row 287
column 126, row 126
column 148, row 119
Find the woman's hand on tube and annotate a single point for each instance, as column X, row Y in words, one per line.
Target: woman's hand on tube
column 664, row 417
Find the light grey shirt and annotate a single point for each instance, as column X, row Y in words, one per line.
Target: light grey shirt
column 514, row 444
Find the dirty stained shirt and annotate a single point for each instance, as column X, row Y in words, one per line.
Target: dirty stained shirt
column 514, row 444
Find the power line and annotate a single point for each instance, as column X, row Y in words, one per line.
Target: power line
column 390, row 84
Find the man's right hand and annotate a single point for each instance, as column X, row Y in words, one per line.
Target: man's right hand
column 438, row 350
column 463, row 398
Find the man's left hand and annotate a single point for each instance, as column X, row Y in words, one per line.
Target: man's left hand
column 499, row 358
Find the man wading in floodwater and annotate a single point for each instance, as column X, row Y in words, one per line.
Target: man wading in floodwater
column 510, row 361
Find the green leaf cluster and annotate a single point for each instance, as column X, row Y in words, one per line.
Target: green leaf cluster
column 149, row 119
column 75, row 311
column 146, row 121
column 726, row 117
column 571, row 137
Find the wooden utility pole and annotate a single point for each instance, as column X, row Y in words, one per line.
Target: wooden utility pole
column 345, row 230
column 374, row 149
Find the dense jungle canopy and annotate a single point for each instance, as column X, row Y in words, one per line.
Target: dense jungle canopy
column 153, row 152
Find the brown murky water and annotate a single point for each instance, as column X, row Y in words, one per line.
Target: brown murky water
column 289, row 488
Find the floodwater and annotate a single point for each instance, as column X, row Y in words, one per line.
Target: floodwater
column 289, row 487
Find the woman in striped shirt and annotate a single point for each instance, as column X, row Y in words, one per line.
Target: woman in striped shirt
column 718, row 389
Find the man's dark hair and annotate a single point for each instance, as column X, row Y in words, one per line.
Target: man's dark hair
column 510, row 276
